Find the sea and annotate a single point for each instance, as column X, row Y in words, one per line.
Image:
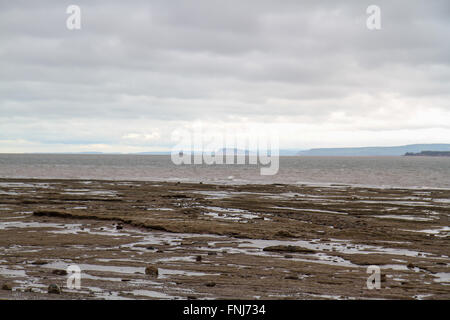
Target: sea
column 385, row 172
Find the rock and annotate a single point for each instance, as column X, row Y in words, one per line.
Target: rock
column 212, row 253
column 39, row 262
column 119, row 227
column 410, row 266
column 151, row 271
column 291, row 277
column 210, row 284
column 29, row 289
column 289, row 248
column 150, row 248
column 60, row 272
column 288, row 256
column 284, row 234
column 54, row 288
column 198, row 258
column 7, row 286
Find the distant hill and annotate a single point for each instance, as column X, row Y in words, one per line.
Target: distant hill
column 375, row 151
column 430, row 154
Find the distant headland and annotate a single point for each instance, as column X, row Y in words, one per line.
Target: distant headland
column 376, row 151
column 429, row 154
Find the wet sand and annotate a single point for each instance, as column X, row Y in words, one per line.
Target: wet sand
column 222, row 241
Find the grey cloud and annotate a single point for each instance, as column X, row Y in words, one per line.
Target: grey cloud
column 180, row 61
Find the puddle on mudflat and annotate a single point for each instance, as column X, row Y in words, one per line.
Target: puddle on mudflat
column 342, row 246
column 95, row 267
column 152, row 294
column 176, row 259
column 441, row 200
column 422, row 296
column 10, row 193
column 165, row 273
column 442, row 277
column 21, row 224
column 404, row 217
column 12, row 272
column 310, row 210
column 439, row 232
column 24, row 185
column 229, row 213
column 215, row 194
column 89, row 192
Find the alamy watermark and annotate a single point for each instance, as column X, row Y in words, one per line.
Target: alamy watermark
column 374, row 280
column 73, row 22
column 373, row 21
column 73, row 277
column 250, row 145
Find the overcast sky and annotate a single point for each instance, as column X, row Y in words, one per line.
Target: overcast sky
column 138, row 70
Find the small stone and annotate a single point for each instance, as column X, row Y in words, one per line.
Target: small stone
column 291, row 277
column 410, row 266
column 6, row 286
column 29, row 289
column 54, row 288
column 39, row 262
column 212, row 253
column 198, row 258
column 151, row 271
column 60, row 272
column 119, row 227
column 210, row 284
column 150, row 248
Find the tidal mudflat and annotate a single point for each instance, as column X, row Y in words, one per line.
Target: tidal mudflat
column 211, row 241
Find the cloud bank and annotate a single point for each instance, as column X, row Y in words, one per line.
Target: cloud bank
column 137, row 71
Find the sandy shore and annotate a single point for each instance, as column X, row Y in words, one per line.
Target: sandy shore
column 221, row 241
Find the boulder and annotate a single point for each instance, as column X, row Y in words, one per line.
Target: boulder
column 60, row 272
column 151, row 271
column 7, row 286
column 54, row 288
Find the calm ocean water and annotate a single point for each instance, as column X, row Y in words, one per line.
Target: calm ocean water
column 374, row 171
